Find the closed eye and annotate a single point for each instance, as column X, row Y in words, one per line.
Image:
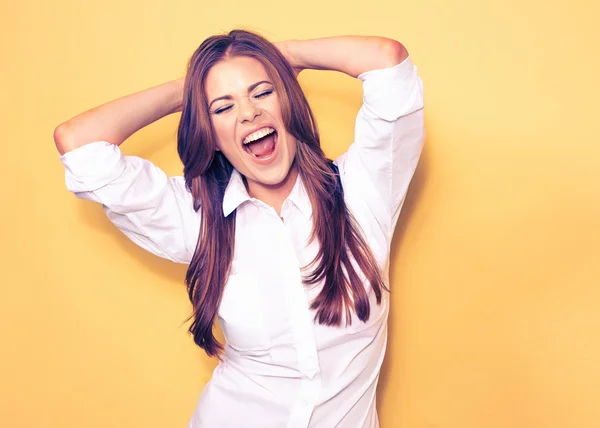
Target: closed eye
column 222, row 109
column 264, row 93
column 257, row 96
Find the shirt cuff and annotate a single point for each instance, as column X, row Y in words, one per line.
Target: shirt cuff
column 393, row 92
column 92, row 166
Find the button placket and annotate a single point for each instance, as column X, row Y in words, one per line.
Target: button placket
column 303, row 329
column 303, row 332
column 304, row 407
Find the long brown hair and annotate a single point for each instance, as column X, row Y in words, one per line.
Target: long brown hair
column 207, row 172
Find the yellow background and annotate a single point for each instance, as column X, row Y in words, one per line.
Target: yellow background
column 496, row 271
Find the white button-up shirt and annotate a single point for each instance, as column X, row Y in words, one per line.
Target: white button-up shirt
column 280, row 369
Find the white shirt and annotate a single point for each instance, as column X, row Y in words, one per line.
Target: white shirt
column 280, row 369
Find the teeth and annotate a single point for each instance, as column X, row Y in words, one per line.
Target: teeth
column 258, row 134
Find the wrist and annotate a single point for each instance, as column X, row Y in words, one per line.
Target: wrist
column 176, row 102
column 289, row 51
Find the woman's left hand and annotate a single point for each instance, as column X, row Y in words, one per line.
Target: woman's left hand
column 284, row 49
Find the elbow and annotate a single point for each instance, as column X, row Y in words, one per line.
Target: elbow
column 62, row 138
column 392, row 52
column 66, row 138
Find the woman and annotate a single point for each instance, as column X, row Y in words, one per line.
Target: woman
column 288, row 249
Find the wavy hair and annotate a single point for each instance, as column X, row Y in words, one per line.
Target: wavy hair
column 343, row 253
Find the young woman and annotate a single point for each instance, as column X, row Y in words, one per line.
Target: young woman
column 288, row 249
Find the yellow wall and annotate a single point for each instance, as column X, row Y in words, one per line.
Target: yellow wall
column 496, row 273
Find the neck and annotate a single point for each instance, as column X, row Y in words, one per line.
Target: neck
column 276, row 194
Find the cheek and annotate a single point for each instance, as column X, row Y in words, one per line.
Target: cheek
column 223, row 134
column 293, row 147
column 276, row 109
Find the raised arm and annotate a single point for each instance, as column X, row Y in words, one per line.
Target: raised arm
column 352, row 55
column 116, row 120
column 154, row 211
column 389, row 133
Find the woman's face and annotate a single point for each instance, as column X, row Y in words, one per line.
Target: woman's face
column 246, row 115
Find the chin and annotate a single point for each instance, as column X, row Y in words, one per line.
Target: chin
column 274, row 176
column 273, row 179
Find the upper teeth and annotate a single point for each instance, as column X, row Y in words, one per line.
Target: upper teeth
column 258, row 134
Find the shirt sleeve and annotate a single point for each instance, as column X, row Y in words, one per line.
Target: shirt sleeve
column 389, row 134
column 153, row 210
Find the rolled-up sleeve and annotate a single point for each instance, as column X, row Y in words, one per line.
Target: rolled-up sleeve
column 389, row 134
column 153, row 210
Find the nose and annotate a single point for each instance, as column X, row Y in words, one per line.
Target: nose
column 247, row 111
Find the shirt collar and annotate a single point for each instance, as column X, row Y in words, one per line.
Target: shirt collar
column 299, row 197
column 236, row 194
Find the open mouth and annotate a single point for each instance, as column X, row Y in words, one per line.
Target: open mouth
column 261, row 144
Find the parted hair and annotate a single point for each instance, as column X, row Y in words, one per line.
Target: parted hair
column 343, row 253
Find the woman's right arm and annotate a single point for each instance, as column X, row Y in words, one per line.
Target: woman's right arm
column 116, row 120
column 153, row 210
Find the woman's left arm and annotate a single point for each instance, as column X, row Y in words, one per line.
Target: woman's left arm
column 352, row 55
column 389, row 133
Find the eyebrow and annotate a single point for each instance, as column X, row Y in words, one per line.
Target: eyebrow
column 229, row 97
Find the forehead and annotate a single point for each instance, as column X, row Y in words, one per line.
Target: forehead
column 233, row 76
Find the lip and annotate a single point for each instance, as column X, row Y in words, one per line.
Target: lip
column 256, row 128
